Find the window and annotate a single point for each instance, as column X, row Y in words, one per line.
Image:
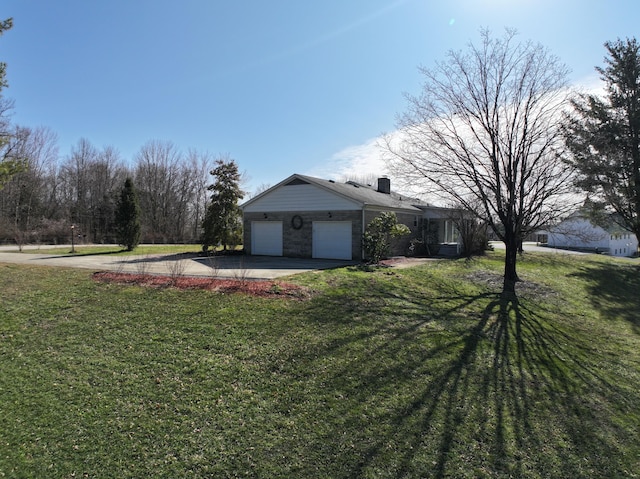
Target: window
column 450, row 232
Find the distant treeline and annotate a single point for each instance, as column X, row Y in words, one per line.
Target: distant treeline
column 42, row 202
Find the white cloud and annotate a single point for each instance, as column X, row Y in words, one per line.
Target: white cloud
column 591, row 85
column 366, row 160
column 359, row 161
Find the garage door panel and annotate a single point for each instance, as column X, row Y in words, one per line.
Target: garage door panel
column 332, row 239
column 266, row 238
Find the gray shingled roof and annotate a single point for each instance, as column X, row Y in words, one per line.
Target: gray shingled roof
column 367, row 195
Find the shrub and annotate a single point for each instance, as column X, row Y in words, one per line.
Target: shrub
column 376, row 240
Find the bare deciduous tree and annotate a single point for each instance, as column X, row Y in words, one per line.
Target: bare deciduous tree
column 156, row 177
column 472, row 230
column 261, row 188
column 106, row 175
column 88, row 184
column 486, row 130
column 24, row 199
column 199, row 165
column 74, row 182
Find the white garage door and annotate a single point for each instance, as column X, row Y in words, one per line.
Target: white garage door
column 332, row 239
column 266, row 238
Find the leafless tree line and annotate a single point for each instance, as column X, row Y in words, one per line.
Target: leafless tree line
column 39, row 204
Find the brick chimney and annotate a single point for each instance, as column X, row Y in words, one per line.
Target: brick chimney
column 384, row 185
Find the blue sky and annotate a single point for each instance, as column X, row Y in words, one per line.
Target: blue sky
column 286, row 86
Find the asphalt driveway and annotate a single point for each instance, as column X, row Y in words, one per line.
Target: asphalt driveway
column 240, row 267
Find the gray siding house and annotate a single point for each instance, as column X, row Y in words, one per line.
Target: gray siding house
column 309, row 217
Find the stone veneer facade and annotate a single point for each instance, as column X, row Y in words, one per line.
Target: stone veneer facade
column 298, row 243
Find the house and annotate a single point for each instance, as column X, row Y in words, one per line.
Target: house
column 309, row 217
column 577, row 232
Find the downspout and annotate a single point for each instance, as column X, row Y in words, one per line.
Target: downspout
column 364, row 205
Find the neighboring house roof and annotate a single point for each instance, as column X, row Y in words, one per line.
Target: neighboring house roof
column 610, row 223
column 365, row 195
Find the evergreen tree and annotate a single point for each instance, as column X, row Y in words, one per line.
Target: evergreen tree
column 603, row 135
column 4, row 26
column 128, row 217
column 9, row 165
column 223, row 220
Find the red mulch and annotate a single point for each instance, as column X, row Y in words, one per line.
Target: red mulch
column 253, row 288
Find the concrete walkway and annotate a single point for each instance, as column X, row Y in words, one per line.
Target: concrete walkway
column 236, row 267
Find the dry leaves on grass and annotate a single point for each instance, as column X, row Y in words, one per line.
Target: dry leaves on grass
column 495, row 281
column 253, row 288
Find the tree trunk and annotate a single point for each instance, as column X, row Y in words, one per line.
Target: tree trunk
column 511, row 256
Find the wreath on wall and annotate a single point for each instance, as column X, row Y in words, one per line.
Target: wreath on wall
column 296, row 222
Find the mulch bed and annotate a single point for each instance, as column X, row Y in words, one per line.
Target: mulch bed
column 253, row 288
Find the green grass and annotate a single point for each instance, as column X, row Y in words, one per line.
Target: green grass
column 421, row 372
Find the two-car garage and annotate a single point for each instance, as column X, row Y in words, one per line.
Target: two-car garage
column 307, row 217
column 330, row 239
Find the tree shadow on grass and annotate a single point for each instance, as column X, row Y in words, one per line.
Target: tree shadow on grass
column 614, row 290
column 154, row 257
column 452, row 385
column 160, row 258
column 80, row 254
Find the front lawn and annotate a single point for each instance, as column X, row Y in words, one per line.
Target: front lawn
column 420, row 372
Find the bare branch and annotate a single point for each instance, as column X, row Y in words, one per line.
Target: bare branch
column 485, row 132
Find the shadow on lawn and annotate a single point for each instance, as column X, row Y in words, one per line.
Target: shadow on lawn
column 614, row 290
column 150, row 258
column 433, row 393
column 160, row 258
column 80, row 254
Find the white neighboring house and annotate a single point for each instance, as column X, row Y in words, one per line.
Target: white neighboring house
column 579, row 233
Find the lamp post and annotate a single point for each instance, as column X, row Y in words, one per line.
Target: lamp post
column 73, row 248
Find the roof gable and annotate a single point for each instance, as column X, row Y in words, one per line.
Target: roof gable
column 612, row 223
column 296, row 181
column 297, row 194
column 300, row 192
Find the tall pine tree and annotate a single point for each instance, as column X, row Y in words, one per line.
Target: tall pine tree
column 9, row 165
column 604, row 137
column 128, row 217
column 223, row 220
